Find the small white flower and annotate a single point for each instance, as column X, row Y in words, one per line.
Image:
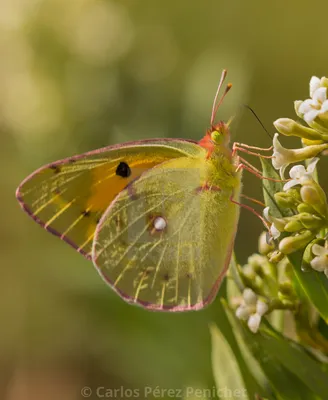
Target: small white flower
column 314, row 85
column 242, row 313
column 251, row 309
column 249, row 297
column 266, row 214
column 317, row 104
column 274, row 231
column 261, row 307
column 254, row 322
column 282, row 157
column 299, row 174
column 320, row 262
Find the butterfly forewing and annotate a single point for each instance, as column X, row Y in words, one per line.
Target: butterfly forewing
column 69, row 197
column 165, row 241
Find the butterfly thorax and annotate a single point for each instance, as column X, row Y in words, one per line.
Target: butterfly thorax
column 222, row 165
column 222, row 170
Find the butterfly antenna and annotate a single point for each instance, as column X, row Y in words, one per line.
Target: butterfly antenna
column 258, row 120
column 216, row 102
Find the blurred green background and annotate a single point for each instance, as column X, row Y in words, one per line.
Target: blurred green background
column 81, row 74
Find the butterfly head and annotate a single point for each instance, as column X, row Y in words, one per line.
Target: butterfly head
column 217, row 137
column 220, row 134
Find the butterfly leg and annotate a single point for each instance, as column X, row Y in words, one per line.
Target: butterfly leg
column 246, row 149
column 246, row 146
column 250, row 168
column 253, row 200
column 251, row 210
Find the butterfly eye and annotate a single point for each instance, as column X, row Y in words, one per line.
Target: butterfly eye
column 217, row 137
column 159, row 223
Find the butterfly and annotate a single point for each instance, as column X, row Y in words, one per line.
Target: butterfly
column 157, row 217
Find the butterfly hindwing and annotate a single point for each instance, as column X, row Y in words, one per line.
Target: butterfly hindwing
column 69, row 197
column 178, row 266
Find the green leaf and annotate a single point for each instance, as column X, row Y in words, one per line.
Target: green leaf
column 252, row 363
column 313, row 283
column 296, row 359
column 234, row 288
column 293, row 373
column 252, row 385
column 281, row 382
column 271, row 187
column 227, row 374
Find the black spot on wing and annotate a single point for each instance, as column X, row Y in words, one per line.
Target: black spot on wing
column 123, row 170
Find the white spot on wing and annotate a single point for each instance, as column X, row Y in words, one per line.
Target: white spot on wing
column 160, row 223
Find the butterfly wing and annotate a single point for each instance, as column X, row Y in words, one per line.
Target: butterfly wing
column 177, row 262
column 68, row 197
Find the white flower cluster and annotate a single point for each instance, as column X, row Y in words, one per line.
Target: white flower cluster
column 251, row 309
column 314, row 137
column 317, row 104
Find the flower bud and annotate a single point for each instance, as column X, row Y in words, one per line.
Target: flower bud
column 289, row 127
column 294, row 225
column 312, row 194
column 286, row 289
column 304, row 220
column 251, row 279
column 289, row 199
column 303, row 207
column 311, row 221
column 291, row 244
column 260, row 265
column 248, row 272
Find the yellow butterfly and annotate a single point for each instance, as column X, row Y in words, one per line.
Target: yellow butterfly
column 157, row 217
